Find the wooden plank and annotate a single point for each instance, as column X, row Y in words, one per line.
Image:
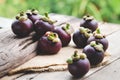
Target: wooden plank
column 114, row 51
column 5, row 22
column 64, row 75
column 61, row 19
column 110, row 72
column 75, row 22
column 27, row 76
column 13, row 77
column 114, row 41
column 22, row 77
column 15, row 51
column 106, row 28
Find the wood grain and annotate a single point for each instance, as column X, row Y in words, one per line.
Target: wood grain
column 94, row 72
column 15, row 51
column 110, row 72
column 11, row 54
column 54, row 59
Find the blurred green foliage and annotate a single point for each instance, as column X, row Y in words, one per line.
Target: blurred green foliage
column 103, row 10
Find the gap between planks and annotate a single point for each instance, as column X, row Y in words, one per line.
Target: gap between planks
column 109, row 72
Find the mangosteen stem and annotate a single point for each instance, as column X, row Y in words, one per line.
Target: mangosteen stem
column 34, row 11
column 98, row 31
column 67, row 28
column 88, row 18
column 75, row 56
column 28, row 12
column 86, row 32
column 82, row 30
column 21, row 13
column 97, row 46
column 46, row 15
column 17, row 17
column 21, row 17
column 53, row 37
column 93, row 43
column 47, row 19
column 75, row 53
column 98, row 34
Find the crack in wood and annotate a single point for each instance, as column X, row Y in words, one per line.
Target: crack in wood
column 3, row 58
column 8, row 40
column 28, row 44
column 33, row 51
column 6, row 55
column 23, row 42
column 4, row 64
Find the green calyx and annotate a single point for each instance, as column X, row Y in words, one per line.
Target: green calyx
column 33, row 11
column 67, row 28
column 52, row 37
column 69, row 61
column 97, row 46
column 98, row 31
column 29, row 12
column 46, row 15
column 47, row 19
column 88, row 18
column 87, row 32
column 21, row 16
column 76, row 57
column 83, row 56
column 98, row 34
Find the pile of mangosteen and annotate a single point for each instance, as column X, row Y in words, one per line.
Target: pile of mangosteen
column 94, row 45
column 51, row 39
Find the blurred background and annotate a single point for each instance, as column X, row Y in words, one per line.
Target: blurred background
column 102, row 10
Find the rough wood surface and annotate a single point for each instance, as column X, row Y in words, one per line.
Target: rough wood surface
column 5, row 24
column 15, row 51
column 5, row 45
column 94, row 72
column 110, row 72
column 104, row 72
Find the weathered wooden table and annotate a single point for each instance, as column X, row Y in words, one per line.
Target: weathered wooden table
column 110, row 71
